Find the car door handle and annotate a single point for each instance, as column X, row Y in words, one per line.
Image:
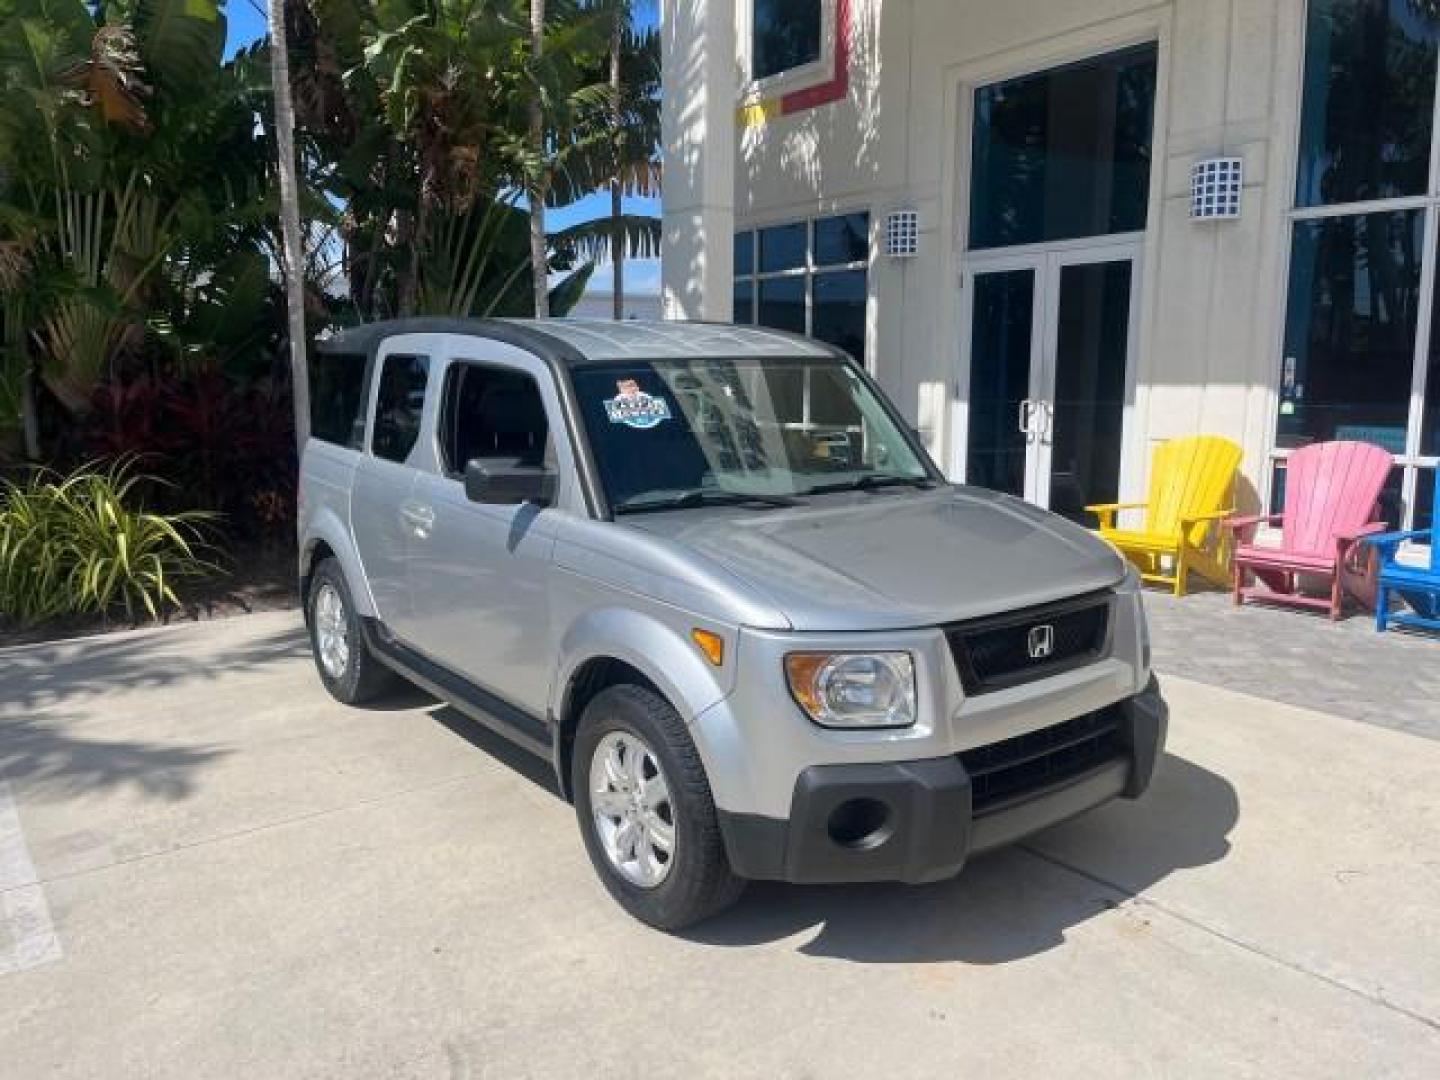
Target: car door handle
column 421, row 519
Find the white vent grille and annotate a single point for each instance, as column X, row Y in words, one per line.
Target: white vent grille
column 902, row 234
column 1215, row 187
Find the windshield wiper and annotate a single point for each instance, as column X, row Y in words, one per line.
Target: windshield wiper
column 871, row 482
column 704, row 497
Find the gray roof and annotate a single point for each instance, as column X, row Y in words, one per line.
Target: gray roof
column 606, row 339
column 581, row 340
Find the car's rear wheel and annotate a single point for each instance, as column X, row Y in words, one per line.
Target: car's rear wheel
column 349, row 670
column 646, row 812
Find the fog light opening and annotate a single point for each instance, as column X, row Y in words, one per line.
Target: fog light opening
column 860, row 824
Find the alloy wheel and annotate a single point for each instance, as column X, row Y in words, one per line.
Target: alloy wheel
column 630, row 802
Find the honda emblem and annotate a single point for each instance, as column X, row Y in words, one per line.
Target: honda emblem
column 1041, row 642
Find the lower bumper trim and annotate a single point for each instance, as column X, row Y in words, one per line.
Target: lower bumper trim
column 912, row 821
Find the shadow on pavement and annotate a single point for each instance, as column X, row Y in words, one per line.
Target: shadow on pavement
column 39, row 751
column 517, row 759
column 1008, row 905
column 38, row 676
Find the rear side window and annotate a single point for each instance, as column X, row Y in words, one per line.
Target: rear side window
column 337, row 384
column 492, row 413
column 399, row 405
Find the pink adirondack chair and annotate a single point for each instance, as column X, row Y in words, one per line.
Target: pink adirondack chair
column 1331, row 491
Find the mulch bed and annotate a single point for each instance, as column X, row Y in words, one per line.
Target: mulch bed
column 259, row 578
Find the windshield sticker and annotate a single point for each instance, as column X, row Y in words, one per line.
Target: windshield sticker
column 635, row 408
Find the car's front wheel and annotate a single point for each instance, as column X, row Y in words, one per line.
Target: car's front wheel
column 349, row 670
column 646, row 812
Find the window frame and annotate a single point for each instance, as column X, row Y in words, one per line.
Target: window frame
column 1412, row 462
column 373, row 409
column 814, row 73
column 810, row 269
column 443, row 411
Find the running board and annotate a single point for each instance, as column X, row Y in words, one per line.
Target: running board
column 514, row 723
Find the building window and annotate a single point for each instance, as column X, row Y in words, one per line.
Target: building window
column 808, row 277
column 1064, row 154
column 784, row 35
column 1362, row 338
column 1369, row 101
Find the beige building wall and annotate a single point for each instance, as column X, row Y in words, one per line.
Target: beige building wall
column 1212, row 294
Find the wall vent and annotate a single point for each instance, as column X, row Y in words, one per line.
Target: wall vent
column 1215, row 187
column 902, row 234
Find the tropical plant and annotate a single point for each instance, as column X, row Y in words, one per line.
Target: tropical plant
column 131, row 168
column 415, row 117
column 84, row 544
column 213, row 441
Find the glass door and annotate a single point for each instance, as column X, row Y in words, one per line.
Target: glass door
column 1005, row 364
column 1051, row 341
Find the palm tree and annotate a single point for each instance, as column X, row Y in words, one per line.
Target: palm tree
column 293, row 253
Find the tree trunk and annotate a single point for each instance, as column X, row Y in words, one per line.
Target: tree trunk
column 292, row 254
column 617, row 209
column 539, row 247
column 30, row 412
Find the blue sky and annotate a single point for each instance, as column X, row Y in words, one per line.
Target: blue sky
column 247, row 23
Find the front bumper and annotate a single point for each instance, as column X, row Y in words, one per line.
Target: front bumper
column 918, row 821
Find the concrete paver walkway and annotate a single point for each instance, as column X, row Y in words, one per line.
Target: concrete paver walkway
column 1344, row 668
column 243, row 878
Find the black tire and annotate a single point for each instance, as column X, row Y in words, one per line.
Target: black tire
column 699, row 883
column 364, row 678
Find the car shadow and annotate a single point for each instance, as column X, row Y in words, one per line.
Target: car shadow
column 1010, row 904
column 519, row 760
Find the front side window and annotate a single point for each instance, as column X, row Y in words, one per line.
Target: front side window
column 399, row 404
column 491, row 413
column 1064, row 154
column 785, row 34
column 667, row 433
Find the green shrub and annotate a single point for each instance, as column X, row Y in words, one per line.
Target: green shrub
column 82, row 544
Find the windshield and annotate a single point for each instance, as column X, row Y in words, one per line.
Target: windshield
column 677, row 433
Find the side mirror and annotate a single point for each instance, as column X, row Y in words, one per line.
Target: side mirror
column 508, row 483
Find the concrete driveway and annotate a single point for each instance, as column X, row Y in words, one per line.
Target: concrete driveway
column 208, row 869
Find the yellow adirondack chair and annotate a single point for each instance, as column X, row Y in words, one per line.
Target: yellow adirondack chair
column 1192, row 484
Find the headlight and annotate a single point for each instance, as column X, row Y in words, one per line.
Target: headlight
column 854, row 690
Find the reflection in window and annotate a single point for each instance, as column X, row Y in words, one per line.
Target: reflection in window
column 1369, row 100
column 1350, row 329
column 1064, row 154
column 785, row 35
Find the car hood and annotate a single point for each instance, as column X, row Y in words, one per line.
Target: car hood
column 893, row 559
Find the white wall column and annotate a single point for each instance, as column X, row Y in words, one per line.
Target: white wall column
column 698, row 138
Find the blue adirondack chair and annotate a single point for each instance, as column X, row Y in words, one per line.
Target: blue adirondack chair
column 1418, row 586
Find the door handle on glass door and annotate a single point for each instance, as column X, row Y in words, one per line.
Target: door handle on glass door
column 1027, row 418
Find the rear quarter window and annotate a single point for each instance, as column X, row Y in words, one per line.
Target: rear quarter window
column 337, row 390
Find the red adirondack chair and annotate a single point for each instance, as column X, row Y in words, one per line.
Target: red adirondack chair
column 1331, row 490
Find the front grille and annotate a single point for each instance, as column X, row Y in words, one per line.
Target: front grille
column 1008, row 772
column 994, row 653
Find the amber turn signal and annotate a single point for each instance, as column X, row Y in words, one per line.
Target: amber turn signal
column 711, row 644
